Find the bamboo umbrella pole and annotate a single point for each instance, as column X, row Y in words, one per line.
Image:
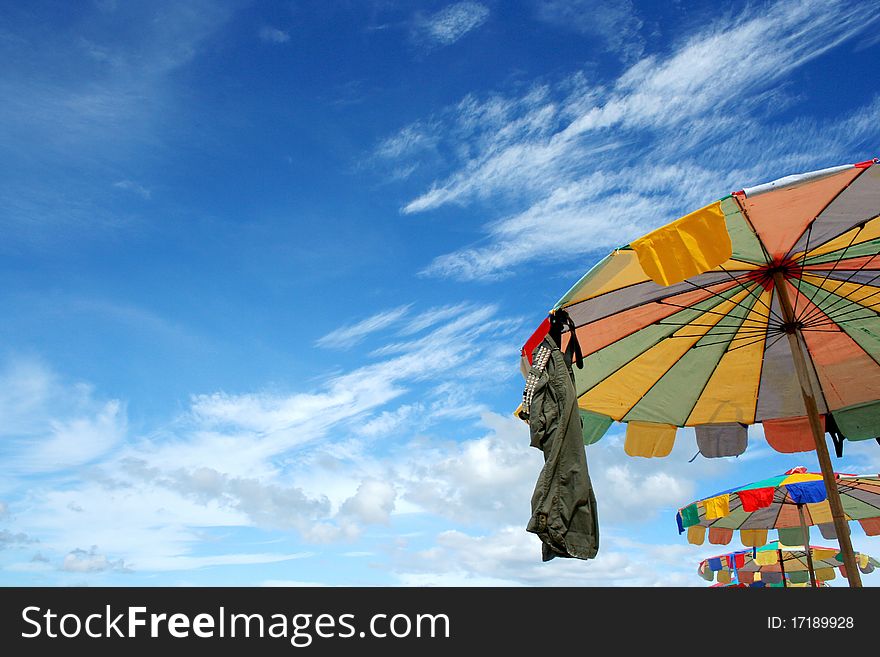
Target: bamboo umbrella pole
column 800, row 508
column 795, row 339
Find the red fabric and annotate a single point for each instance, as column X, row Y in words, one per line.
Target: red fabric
column 535, row 339
column 871, row 526
column 740, row 560
column 865, row 164
column 755, row 499
column 720, row 535
column 791, row 434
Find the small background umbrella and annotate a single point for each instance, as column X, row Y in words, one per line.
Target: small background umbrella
column 779, row 564
column 790, row 503
column 759, row 307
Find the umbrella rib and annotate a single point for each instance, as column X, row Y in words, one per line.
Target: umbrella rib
column 821, row 330
column 742, row 208
column 855, row 225
column 736, row 303
column 849, row 278
column 736, row 330
column 828, row 311
column 803, row 261
column 751, row 293
column 834, row 317
column 825, row 207
column 708, row 312
column 806, row 315
column 836, row 321
column 846, row 297
column 729, row 342
column 718, row 334
column 775, row 340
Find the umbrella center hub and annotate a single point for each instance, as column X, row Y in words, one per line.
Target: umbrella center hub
column 788, row 268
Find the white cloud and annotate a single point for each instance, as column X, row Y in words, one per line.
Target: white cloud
column 13, row 539
column 192, row 562
column 85, row 106
column 562, row 155
column 451, row 23
column 412, row 139
column 347, row 336
column 135, row 188
column 615, row 23
column 49, row 425
column 274, row 35
column 287, row 583
column 372, row 504
column 82, row 561
column 511, row 557
column 298, row 461
column 484, row 479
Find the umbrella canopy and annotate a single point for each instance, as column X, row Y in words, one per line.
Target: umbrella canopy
column 759, row 307
column 685, row 326
column 784, row 502
column 775, row 562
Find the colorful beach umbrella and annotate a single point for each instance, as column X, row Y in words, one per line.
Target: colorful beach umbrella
column 794, row 499
column 759, row 307
column 776, row 564
column 789, row 503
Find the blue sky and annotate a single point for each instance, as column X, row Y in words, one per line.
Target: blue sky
column 266, row 269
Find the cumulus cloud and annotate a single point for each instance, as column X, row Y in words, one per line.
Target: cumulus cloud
column 90, row 561
column 276, row 461
column 13, row 539
column 372, row 504
column 509, row 557
column 265, row 503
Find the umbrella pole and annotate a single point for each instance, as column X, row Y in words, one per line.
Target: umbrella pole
column 781, row 568
column 800, row 508
column 800, row 363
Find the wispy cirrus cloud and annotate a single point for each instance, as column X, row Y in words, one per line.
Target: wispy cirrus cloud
column 450, row 24
column 702, row 117
column 135, row 188
column 273, row 35
column 616, row 24
column 85, row 100
column 347, row 336
column 49, row 425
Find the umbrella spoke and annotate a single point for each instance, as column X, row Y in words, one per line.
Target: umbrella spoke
column 751, row 292
column 828, row 310
column 835, row 318
column 736, row 303
column 803, row 261
column 828, row 275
